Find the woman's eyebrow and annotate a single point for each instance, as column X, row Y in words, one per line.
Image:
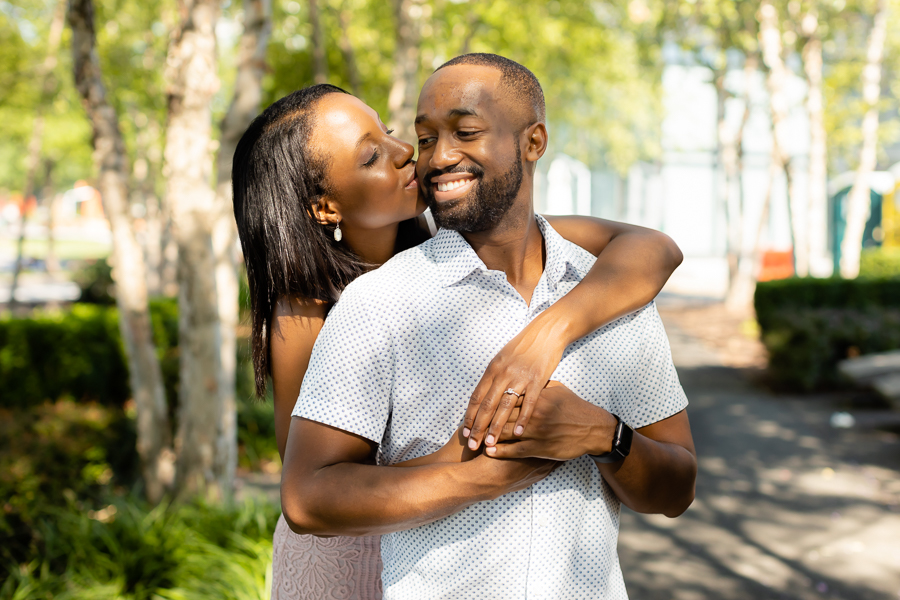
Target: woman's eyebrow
column 362, row 139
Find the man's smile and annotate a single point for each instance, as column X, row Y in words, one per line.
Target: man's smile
column 452, row 185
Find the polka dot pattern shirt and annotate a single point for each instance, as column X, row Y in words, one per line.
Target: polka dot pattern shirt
column 395, row 363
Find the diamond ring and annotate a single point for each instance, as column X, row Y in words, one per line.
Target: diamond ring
column 513, row 392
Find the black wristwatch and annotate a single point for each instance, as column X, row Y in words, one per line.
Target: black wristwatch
column 621, row 445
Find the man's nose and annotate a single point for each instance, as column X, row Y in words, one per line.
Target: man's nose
column 446, row 154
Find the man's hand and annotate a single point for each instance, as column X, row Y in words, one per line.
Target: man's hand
column 562, row 427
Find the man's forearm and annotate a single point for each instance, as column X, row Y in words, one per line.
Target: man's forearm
column 353, row 499
column 656, row 477
column 327, row 489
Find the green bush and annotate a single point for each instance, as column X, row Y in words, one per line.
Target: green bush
column 53, row 452
column 880, row 263
column 808, row 325
column 78, row 354
column 127, row 550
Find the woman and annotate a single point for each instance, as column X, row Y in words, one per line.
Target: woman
column 323, row 193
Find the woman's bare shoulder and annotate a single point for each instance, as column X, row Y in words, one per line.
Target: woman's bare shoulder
column 299, row 307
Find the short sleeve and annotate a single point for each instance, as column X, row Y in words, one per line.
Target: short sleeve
column 350, row 376
column 654, row 393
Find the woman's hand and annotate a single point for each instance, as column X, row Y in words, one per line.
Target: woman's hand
column 525, row 365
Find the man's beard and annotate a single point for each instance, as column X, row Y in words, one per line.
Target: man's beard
column 484, row 207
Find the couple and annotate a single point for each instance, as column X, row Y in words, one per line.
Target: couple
column 425, row 415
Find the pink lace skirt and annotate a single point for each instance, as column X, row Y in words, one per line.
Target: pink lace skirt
column 305, row 567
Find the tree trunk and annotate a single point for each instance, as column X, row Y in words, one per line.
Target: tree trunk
column 347, row 52
column 770, row 45
column 742, row 286
column 320, row 61
column 726, row 158
column 33, row 158
column 405, row 89
column 129, row 273
column 858, row 203
column 244, row 107
column 192, row 83
column 817, row 208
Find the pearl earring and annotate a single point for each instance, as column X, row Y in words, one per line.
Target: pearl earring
column 338, row 236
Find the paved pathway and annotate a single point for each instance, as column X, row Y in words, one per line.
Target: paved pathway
column 787, row 507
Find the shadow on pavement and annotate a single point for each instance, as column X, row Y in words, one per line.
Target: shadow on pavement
column 786, row 507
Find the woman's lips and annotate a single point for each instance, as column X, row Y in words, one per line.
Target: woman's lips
column 413, row 183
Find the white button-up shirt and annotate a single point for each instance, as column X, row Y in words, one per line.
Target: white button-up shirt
column 396, row 361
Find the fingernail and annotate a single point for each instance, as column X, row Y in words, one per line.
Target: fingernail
column 466, row 431
column 490, row 440
column 491, row 450
column 519, row 430
column 472, row 444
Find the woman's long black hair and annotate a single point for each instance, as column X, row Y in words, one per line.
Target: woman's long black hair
column 277, row 179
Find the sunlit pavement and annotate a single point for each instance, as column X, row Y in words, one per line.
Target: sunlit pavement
column 787, row 506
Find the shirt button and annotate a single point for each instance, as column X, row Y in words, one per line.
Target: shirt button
column 541, row 521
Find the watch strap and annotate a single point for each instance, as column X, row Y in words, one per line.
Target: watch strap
column 621, row 444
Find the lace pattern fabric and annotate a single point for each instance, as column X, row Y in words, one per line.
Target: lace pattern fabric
column 305, row 567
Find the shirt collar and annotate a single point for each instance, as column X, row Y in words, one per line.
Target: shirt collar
column 456, row 259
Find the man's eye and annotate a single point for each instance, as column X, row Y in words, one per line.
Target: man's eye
column 466, row 133
column 423, row 141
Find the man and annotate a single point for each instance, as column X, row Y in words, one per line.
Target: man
column 413, row 338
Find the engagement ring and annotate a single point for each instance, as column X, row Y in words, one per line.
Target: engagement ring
column 513, row 392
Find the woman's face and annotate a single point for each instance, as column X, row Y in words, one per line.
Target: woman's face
column 371, row 174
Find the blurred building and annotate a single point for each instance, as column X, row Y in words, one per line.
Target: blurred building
column 679, row 194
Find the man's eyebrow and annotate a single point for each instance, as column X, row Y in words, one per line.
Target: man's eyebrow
column 463, row 112
column 454, row 112
column 364, row 137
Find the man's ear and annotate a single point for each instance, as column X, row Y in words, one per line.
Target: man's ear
column 326, row 211
column 536, row 141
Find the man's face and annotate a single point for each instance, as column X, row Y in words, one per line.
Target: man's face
column 470, row 160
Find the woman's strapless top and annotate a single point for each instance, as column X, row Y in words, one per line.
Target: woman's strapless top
column 305, row 567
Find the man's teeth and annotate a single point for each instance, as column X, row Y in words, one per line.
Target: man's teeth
column 452, row 185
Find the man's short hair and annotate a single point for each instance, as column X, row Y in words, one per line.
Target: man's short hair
column 517, row 79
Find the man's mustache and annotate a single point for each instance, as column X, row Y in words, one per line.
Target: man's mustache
column 472, row 170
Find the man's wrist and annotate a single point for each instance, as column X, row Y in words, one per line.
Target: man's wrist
column 603, row 432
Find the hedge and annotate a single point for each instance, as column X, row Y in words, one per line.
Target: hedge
column 78, row 354
column 808, row 325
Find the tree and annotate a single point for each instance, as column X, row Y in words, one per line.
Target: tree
column 243, row 108
column 320, row 64
column 202, row 447
column 858, row 200
column 45, row 75
column 405, row 88
column 817, row 205
column 129, row 272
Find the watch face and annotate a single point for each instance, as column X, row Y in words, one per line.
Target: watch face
column 624, row 435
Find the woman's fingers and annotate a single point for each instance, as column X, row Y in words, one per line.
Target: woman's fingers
column 475, row 400
column 495, row 399
column 532, row 393
column 505, row 408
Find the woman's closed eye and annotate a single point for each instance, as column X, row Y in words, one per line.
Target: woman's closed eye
column 372, row 160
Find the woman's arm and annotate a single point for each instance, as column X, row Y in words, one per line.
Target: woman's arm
column 296, row 323
column 633, row 263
